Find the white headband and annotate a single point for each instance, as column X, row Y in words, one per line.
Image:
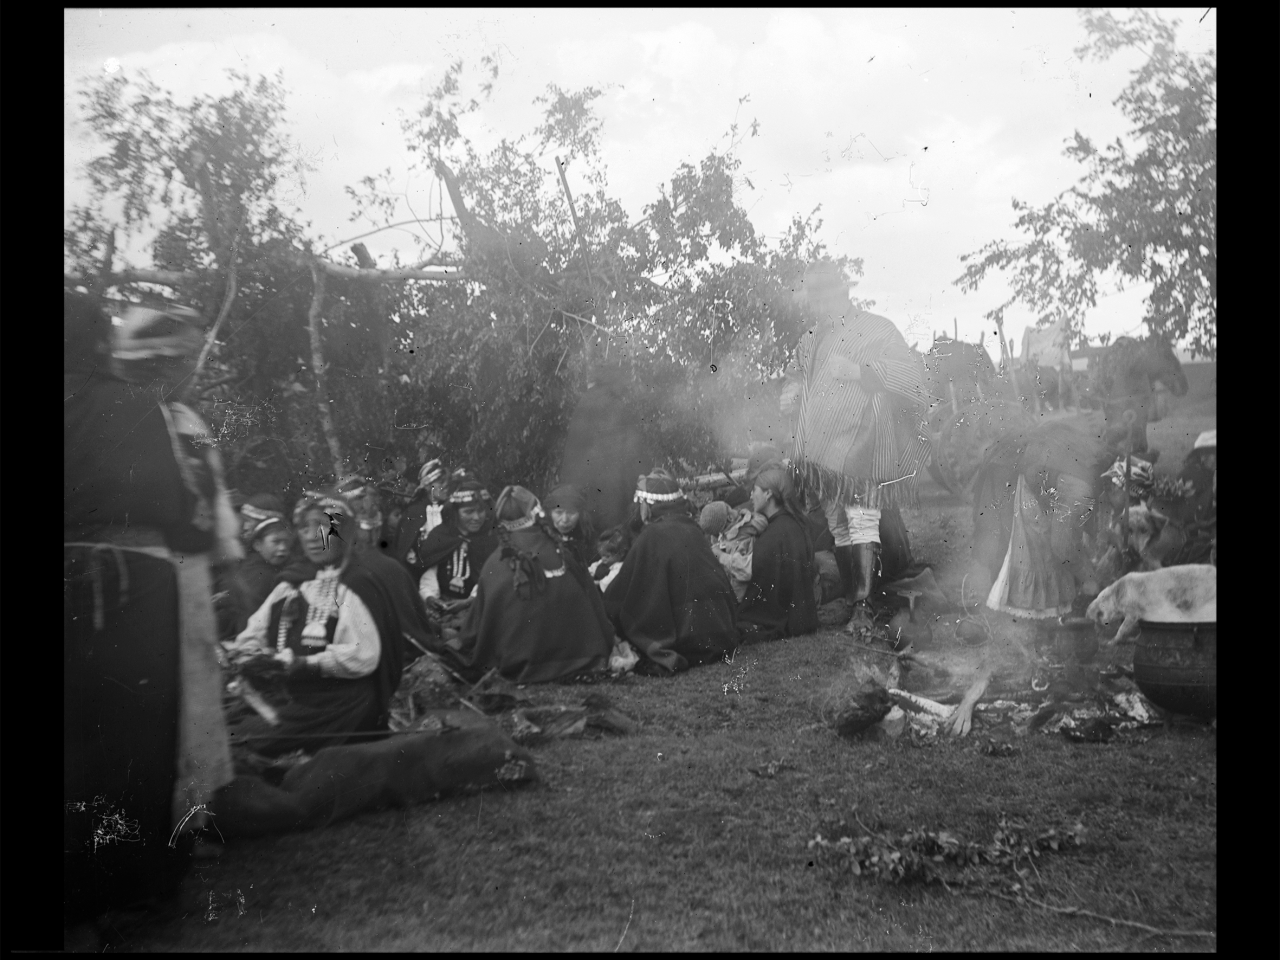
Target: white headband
column 644, row 496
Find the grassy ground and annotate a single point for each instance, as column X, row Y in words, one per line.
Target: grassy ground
column 669, row 840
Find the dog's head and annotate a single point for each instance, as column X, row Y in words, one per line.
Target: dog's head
column 1107, row 604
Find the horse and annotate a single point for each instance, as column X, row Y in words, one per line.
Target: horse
column 1125, row 380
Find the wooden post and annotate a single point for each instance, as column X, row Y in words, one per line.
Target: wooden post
column 318, row 368
column 582, row 245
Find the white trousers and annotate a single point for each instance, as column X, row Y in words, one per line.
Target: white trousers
column 851, row 525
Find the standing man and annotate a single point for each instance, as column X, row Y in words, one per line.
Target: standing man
column 860, row 440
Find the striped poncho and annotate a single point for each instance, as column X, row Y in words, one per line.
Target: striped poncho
column 853, row 443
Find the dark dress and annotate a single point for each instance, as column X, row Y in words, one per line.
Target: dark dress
column 251, row 584
column 537, row 620
column 779, row 600
column 672, row 599
column 121, row 642
column 453, row 554
column 322, row 711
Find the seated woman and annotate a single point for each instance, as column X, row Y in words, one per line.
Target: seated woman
column 453, row 554
column 672, row 600
column 565, row 505
column 270, row 546
column 536, row 616
column 335, row 636
column 780, row 600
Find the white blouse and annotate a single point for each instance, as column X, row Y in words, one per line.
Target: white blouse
column 356, row 645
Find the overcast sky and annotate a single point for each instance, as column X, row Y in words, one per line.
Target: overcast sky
column 913, row 128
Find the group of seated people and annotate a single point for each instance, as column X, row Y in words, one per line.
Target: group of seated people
column 331, row 603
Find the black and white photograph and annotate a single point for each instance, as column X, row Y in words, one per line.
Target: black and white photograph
column 639, row 480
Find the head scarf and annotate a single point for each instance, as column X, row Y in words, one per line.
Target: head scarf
column 658, row 488
column 517, row 509
column 468, row 492
column 1207, row 439
column 1141, row 476
column 564, row 497
column 331, row 502
column 261, row 512
column 715, row 517
column 431, row 473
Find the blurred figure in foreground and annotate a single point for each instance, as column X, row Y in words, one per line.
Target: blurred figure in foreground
column 145, row 513
column 859, row 437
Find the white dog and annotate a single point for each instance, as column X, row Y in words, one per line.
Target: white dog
column 1182, row 594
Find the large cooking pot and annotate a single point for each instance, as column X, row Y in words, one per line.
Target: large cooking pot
column 1176, row 666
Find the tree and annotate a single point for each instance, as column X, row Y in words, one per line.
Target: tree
column 1146, row 212
column 486, row 366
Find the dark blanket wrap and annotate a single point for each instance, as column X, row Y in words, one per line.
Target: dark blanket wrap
column 672, row 599
column 120, row 691
column 538, row 628
column 780, row 598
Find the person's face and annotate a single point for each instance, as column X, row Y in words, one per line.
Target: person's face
column 321, row 547
column 439, row 492
column 273, row 547
column 471, row 518
column 759, row 498
column 1210, row 460
column 393, row 517
column 564, row 519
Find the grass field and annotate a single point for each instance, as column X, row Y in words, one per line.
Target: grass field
column 682, row 837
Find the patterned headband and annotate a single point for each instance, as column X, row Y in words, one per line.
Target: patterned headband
column 323, row 501
column 644, row 496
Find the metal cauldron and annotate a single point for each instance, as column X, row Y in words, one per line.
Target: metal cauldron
column 1176, row 666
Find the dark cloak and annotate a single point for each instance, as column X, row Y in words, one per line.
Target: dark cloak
column 445, row 539
column 120, row 467
column 252, row 583
column 779, row 598
column 411, row 521
column 531, row 627
column 672, row 599
column 324, row 711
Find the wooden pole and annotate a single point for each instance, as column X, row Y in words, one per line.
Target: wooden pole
column 318, row 369
column 582, row 243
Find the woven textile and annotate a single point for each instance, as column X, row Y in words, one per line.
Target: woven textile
column 854, row 443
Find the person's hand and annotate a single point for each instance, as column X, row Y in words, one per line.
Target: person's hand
column 262, row 668
column 301, row 665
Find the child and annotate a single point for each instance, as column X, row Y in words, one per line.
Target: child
column 612, row 546
column 732, row 534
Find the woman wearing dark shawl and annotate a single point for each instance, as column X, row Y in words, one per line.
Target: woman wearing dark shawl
column 145, row 514
column 536, row 616
column 454, row 553
column 672, row 599
column 565, row 505
column 780, row 600
column 336, row 631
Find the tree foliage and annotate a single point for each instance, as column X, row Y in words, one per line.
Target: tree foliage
column 688, row 300
column 1143, row 212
